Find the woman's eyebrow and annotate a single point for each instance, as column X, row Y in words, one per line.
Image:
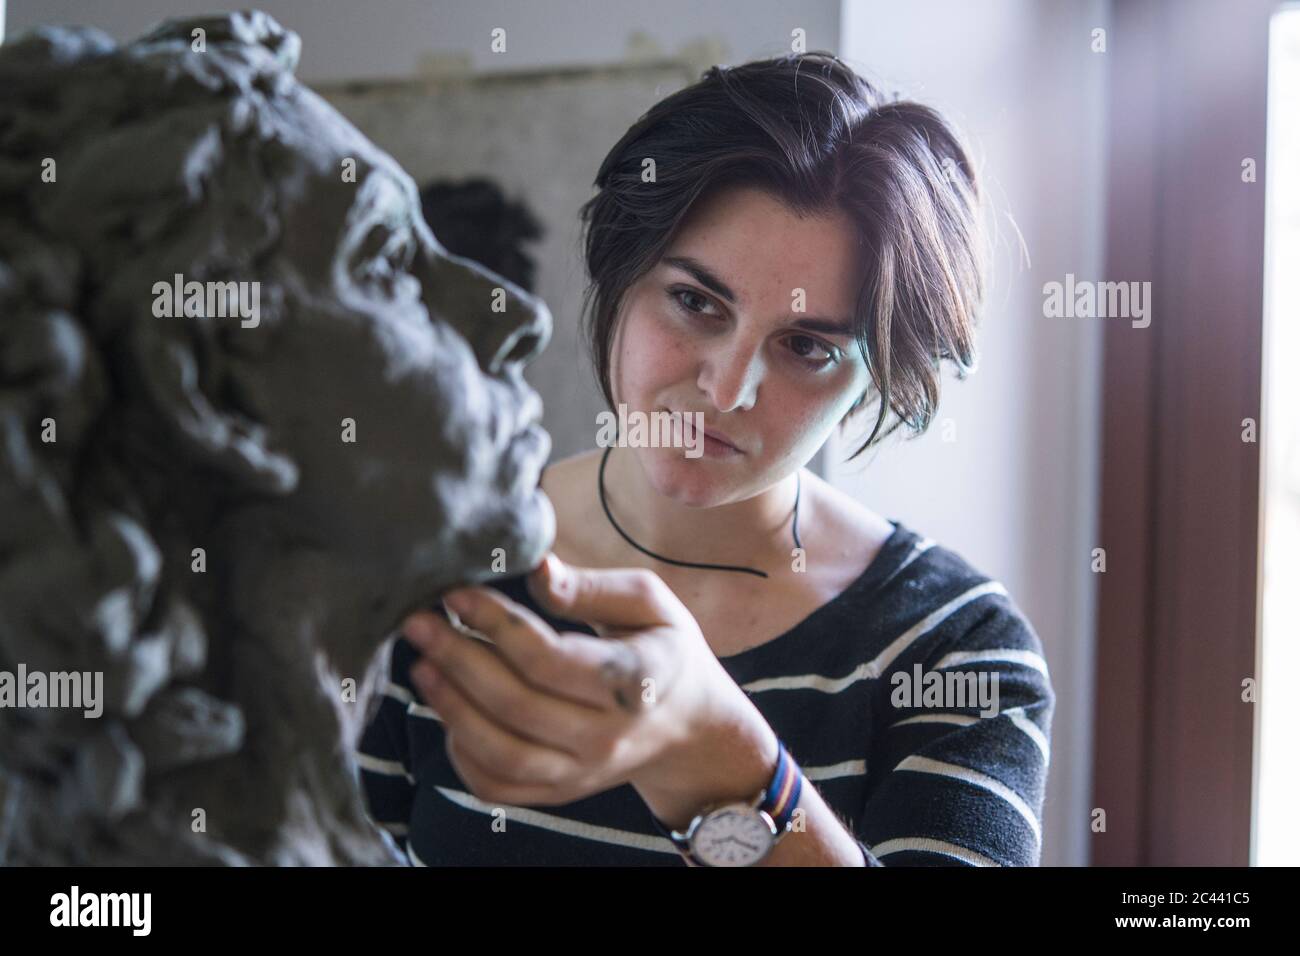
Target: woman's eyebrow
column 704, row 277
column 825, row 326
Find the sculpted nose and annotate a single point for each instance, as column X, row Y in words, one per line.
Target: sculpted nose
column 504, row 324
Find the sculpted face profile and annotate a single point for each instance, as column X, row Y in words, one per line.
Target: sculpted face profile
column 227, row 511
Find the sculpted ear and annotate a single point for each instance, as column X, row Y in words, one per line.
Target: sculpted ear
column 224, row 439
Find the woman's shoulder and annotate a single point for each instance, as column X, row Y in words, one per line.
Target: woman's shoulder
column 924, row 586
column 848, row 524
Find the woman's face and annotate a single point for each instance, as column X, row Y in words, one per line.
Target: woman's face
column 746, row 319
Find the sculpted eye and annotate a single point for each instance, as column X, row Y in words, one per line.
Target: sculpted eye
column 384, row 258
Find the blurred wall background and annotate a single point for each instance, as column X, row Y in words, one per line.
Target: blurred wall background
column 393, row 38
column 1007, row 474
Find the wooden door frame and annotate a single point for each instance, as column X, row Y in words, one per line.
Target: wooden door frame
column 1177, row 612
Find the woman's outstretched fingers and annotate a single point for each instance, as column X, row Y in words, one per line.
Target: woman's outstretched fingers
column 609, row 599
column 480, row 674
column 590, row 670
column 622, row 605
column 626, row 676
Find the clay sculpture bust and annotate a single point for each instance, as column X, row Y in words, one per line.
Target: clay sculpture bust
column 251, row 415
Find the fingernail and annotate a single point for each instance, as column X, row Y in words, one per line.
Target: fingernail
column 422, row 630
column 458, row 601
column 556, row 573
column 427, row 674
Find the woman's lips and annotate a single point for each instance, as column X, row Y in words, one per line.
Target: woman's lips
column 713, row 447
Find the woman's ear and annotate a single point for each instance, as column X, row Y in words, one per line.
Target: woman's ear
column 224, row 439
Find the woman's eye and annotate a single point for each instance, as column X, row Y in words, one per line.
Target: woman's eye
column 806, row 348
column 809, row 351
column 684, row 298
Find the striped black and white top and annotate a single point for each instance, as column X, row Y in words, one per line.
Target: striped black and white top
column 920, row 778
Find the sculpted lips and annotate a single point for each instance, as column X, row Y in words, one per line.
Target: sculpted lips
column 530, row 446
column 534, row 438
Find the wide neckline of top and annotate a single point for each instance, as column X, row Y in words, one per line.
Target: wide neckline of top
column 872, row 576
column 897, row 546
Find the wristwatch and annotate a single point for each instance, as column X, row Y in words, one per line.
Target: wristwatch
column 742, row 833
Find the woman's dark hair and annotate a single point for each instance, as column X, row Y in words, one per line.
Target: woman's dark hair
column 814, row 134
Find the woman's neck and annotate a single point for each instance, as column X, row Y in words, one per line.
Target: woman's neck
column 755, row 532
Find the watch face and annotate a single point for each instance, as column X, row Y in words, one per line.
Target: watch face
column 737, row 835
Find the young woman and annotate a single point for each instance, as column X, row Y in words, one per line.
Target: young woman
column 799, row 681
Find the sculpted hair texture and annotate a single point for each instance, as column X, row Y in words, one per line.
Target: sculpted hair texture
column 224, row 526
column 89, row 569
column 809, row 130
column 228, row 523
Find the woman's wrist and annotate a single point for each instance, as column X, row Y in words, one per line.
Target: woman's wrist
column 732, row 758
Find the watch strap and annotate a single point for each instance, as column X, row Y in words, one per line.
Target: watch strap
column 782, row 795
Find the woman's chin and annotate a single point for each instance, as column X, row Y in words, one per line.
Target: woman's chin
column 682, row 480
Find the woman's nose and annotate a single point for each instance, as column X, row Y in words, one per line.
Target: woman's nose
column 730, row 376
column 503, row 323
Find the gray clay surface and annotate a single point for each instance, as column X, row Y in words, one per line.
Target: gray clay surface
column 224, row 687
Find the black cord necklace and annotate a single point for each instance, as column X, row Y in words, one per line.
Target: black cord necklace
column 600, row 484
